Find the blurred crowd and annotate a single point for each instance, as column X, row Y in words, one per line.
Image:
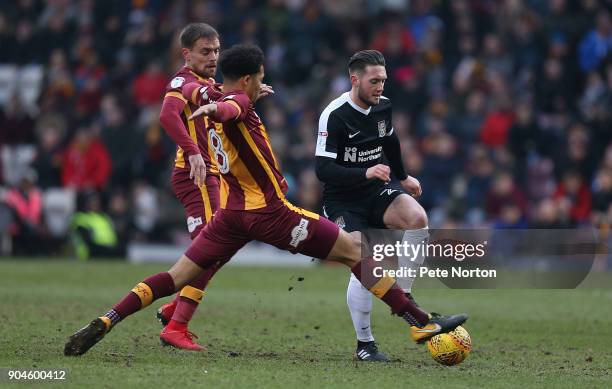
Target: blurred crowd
column 503, row 108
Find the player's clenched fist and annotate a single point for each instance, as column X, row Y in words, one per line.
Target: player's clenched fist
column 380, row 171
column 207, row 110
column 412, row 186
column 198, row 169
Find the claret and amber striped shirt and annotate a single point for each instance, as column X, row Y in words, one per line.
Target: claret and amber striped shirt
column 191, row 136
column 251, row 177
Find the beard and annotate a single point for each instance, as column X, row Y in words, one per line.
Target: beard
column 204, row 71
column 369, row 101
column 207, row 73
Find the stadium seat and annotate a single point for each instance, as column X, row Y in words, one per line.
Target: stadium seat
column 59, row 205
column 30, row 81
column 6, row 218
column 8, row 82
column 15, row 161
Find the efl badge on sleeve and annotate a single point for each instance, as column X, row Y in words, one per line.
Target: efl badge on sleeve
column 177, row 82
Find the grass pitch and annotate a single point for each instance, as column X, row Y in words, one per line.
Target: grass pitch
column 266, row 328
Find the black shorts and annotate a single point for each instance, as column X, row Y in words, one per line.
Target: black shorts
column 363, row 211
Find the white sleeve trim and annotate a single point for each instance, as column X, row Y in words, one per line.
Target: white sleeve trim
column 390, row 132
column 326, row 154
column 323, row 133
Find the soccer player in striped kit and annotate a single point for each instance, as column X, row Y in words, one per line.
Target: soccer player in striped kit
column 195, row 176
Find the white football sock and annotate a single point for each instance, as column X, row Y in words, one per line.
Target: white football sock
column 412, row 237
column 359, row 301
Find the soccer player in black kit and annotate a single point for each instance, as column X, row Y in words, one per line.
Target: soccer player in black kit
column 355, row 135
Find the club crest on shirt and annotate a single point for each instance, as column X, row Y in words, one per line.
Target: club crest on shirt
column 382, row 128
column 177, row 82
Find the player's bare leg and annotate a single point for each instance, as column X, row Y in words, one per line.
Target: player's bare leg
column 405, row 213
column 142, row 295
column 347, row 250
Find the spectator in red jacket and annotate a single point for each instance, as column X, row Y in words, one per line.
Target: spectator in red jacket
column 574, row 197
column 494, row 130
column 85, row 162
column 149, row 86
column 393, row 39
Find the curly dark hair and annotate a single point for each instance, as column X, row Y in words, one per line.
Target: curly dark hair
column 240, row 60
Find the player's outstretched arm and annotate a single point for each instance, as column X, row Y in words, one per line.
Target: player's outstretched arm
column 201, row 94
column 221, row 111
column 207, row 110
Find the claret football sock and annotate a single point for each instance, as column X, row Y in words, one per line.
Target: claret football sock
column 188, row 301
column 176, row 326
column 143, row 294
column 386, row 289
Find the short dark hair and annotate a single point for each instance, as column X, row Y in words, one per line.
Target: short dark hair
column 194, row 31
column 240, row 60
column 361, row 59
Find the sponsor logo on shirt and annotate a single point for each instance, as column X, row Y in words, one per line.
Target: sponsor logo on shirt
column 193, row 222
column 299, row 233
column 351, row 154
